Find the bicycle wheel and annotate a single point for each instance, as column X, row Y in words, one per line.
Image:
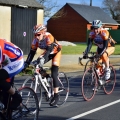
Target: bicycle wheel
column 110, row 84
column 89, row 84
column 30, row 107
column 34, row 84
column 63, row 88
column 87, row 65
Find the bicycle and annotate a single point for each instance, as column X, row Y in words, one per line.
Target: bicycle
column 42, row 84
column 28, row 108
column 88, row 63
column 92, row 80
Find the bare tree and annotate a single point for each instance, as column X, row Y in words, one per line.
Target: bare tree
column 49, row 7
column 112, row 7
column 82, row 2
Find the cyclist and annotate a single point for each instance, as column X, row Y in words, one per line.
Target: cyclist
column 105, row 43
column 11, row 59
column 45, row 40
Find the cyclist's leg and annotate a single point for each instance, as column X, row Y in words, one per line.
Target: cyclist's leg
column 106, row 55
column 54, row 74
column 105, row 58
column 5, row 95
column 18, row 66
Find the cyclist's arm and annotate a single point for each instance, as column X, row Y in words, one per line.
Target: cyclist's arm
column 105, row 45
column 32, row 52
column 30, row 56
column 47, row 52
column 89, row 45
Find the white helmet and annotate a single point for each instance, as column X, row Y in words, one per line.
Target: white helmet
column 38, row 28
column 96, row 24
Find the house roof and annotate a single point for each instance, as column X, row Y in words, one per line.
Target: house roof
column 91, row 13
column 27, row 3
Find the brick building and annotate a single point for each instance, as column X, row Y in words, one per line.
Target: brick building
column 75, row 22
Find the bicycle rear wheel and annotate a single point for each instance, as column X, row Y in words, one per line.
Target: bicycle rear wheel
column 110, row 84
column 89, row 84
column 34, row 84
column 63, row 88
column 30, row 107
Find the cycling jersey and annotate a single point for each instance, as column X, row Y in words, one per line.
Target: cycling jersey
column 11, row 57
column 101, row 40
column 49, row 44
column 43, row 44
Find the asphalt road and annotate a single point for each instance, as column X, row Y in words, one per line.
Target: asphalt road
column 102, row 107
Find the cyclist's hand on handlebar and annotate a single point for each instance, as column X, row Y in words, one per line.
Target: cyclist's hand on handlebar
column 34, row 62
column 85, row 56
column 25, row 66
column 41, row 61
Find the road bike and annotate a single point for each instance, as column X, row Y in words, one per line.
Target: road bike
column 42, row 83
column 93, row 80
column 28, row 109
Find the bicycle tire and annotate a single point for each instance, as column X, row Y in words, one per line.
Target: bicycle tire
column 63, row 88
column 30, row 107
column 30, row 82
column 110, row 84
column 88, row 84
column 88, row 64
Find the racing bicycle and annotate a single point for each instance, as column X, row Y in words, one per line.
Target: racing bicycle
column 42, row 84
column 28, row 109
column 93, row 80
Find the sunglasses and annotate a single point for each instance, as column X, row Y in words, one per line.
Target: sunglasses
column 38, row 34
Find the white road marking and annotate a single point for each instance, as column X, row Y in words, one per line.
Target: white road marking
column 94, row 110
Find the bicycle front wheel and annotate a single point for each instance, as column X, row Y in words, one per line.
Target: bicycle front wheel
column 63, row 88
column 30, row 107
column 88, row 64
column 89, row 84
column 110, row 84
column 35, row 85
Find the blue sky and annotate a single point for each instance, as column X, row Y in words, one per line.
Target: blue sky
column 61, row 3
column 94, row 2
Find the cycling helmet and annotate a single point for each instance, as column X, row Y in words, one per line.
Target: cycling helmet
column 39, row 28
column 96, row 24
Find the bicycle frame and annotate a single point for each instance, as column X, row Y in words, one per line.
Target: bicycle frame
column 40, row 80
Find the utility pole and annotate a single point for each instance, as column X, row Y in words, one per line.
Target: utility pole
column 90, row 2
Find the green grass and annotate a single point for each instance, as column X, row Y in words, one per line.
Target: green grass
column 80, row 48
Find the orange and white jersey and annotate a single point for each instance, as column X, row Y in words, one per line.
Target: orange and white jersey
column 11, row 58
column 98, row 39
column 9, row 52
column 48, row 40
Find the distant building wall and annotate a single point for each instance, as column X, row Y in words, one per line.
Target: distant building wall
column 5, row 22
column 69, row 27
column 40, row 15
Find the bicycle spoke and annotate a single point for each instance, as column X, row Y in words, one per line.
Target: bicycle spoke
column 29, row 107
column 63, row 88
